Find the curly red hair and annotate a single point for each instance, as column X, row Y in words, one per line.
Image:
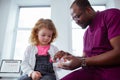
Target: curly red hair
column 42, row 23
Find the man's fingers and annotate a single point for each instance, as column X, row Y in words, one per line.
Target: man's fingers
column 67, row 57
column 65, row 66
column 59, row 55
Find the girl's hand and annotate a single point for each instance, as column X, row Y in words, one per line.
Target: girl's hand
column 35, row 75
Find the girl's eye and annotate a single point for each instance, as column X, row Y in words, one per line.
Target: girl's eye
column 43, row 35
column 49, row 36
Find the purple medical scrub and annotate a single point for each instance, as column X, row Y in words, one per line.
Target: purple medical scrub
column 104, row 27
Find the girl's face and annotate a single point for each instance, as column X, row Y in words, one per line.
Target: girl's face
column 44, row 36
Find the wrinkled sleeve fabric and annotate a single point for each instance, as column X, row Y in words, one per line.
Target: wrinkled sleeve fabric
column 26, row 66
column 113, row 23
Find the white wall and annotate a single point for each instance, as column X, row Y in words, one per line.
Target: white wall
column 61, row 18
column 10, row 29
column 4, row 14
column 113, row 4
column 117, row 4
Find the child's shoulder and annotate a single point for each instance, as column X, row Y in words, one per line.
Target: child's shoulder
column 53, row 46
column 31, row 46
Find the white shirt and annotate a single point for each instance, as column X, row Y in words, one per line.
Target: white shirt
column 29, row 59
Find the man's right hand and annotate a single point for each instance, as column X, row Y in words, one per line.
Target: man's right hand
column 60, row 54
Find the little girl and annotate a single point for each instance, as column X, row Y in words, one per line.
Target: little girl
column 38, row 57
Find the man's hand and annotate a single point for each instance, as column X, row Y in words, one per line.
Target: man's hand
column 71, row 62
column 60, row 54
